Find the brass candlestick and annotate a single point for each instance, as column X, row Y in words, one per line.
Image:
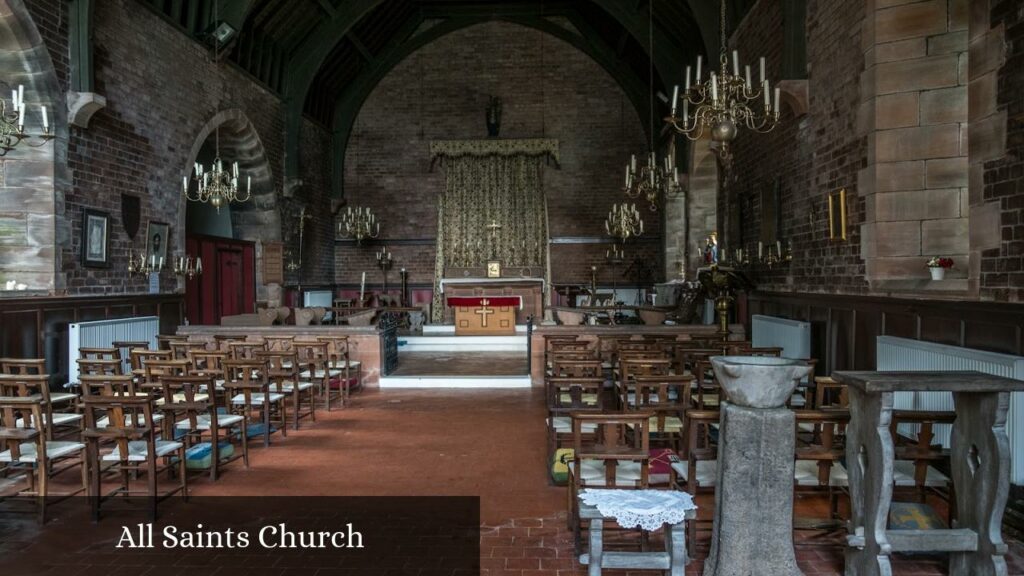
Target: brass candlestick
column 384, row 262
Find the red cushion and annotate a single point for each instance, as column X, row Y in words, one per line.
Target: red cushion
column 661, row 462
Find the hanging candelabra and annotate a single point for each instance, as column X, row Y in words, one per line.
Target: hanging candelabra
column 624, row 222
column 654, row 179
column 359, row 223
column 295, row 265
column 188, row 267
column 12, row 123
column 384, row 262
column 724, row 102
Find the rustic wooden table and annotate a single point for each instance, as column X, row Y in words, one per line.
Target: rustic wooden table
column 673, row 559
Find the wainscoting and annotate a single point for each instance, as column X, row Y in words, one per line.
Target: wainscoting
column 38, row 327
column 843, row 328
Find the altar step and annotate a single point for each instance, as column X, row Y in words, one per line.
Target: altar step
column 449, row 330
column 455, row 381
column 442, row 343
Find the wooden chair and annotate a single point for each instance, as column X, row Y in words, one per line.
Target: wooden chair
column 619, row 457
column 54, row 423
column 668, row 398
column 283, row 375
column 279, row 343
column 118, row 385
column 699, row 471
column 566, row 396
column 125, row 347
column 244, row 350
column 37, row 366
column 140, row 356
column 314, row 360
column 181, row 348
column 26, row 447
column 197, row 419
column 630, row 367
column 340, row 354
column 708, row 392
column 137, row 449
column 100, row 353
column 97, row 367
column 577, row 368
column 820, row 451
column 210, row 363
column 918, row 457
column 249, row 392
column 163, row 341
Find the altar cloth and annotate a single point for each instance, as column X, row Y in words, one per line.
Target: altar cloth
column 499, row 301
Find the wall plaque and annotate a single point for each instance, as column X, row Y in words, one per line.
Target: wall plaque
column 273, row 263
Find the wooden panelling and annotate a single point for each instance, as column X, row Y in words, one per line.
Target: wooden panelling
column 844, row 328
column 38, row 327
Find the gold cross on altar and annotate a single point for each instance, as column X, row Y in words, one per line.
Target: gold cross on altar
column 484, row 312
column 493, row 228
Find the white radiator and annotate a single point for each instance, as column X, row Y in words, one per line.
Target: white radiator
column 101, row 333
column 793, row 336
column 902, row 354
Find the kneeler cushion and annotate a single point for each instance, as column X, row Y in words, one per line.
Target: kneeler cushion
column 337, row 382
column 560, row 465
column 200, row 456
column 660, row 465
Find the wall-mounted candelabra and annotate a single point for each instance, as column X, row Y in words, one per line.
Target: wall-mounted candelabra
column 144, row 266
column 359, row 223
column 188, row 267
column 384, row 262
column 765, row 256
column 624, row 222
column 12, row 123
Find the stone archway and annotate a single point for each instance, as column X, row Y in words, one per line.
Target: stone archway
column 34, row 227
column 257, row 220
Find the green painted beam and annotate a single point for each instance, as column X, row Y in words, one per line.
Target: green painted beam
column 794, row 30
column 80, row 32
column 328, row 8
column 360, row 46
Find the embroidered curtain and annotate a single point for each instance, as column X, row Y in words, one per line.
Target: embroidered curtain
column 491, row 182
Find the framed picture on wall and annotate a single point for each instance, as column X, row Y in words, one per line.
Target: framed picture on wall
column 95, row 238
column 157, row 236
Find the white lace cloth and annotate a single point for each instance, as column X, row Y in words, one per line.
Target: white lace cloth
column 645, row 509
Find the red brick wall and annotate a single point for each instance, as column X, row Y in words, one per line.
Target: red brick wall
column 161, row 88
column 1002, row 268
column 549, row 89
column 812, row 155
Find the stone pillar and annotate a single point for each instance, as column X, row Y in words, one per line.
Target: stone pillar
column 753, row 527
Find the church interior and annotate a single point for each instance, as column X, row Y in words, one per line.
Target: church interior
column 720, row 287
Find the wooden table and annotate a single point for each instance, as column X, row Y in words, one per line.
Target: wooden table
column 673, row 559
column 979, row 458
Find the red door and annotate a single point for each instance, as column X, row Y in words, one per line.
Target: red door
column 231, row 291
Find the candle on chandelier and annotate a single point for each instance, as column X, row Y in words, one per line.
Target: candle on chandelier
column 686, row 112
column 761, row 61
column 184, row 183
column 21, row 98
column 688, row 79
column 199, row 265
column 777, row 93
column 778, row 247
column 767, row 95
column 698, row 69
column 627, row 176
column 714, row 88
column 632, row 162
column 735, row 63
column 748, row 84
column 248, row 184
column 46, row 121
column 760, row 250
column 675, row 99
column 14, row 99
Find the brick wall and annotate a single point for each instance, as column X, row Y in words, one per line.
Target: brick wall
column 1002, row 267
column 161, row 89
column 811, row 156
column 549, row 89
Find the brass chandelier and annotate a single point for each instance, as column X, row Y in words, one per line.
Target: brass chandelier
column 359, row 223
column 654, row 179
column 12, row 123
column 725, row 102
column 624, row 222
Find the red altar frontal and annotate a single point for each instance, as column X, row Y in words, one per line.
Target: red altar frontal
column 485, row 315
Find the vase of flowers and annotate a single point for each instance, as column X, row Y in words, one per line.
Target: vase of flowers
column 938, row 265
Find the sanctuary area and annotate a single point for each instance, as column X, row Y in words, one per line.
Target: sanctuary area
column 512, row 287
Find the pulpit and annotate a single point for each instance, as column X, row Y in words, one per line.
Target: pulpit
column 484, row 316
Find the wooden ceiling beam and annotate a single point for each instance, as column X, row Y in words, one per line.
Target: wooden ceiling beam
column 360, row 47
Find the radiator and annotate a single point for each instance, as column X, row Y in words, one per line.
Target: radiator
column 794, row 337
column 101, row 333
column 899, row 354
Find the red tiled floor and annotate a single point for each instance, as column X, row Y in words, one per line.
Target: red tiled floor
column 459, row 442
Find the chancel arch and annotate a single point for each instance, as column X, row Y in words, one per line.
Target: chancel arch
column 31, row 199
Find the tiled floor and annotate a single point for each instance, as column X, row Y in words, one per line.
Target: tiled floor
column 461, row 363
column 468, row 442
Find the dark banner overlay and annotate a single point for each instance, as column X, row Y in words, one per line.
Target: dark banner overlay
column 326, row 536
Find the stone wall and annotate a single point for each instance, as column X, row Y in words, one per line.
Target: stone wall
column 161, row 88
column 549, row 89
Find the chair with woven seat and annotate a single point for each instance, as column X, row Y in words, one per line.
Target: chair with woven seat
column 125, row 347
column 698, row 472
column 630, row 367
column 38, row 366
column 137, row 448
column 54, row 423
column 618, row 457
column 163, row 341
column 210, row 363
column 197, row 419
column 565, row 396
column 249, row 394
column 26, row 447
column 140, row 356
column 708, row 394
column 283, row 376
column 117, row 385
column 314, row 360
column 668, row 398
column 918, row 457
column 820, row 451
column 279, row 343
column 244, row 349
column 340, row 358
column 181, row 348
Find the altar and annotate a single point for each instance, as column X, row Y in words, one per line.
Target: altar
column 528, row 293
